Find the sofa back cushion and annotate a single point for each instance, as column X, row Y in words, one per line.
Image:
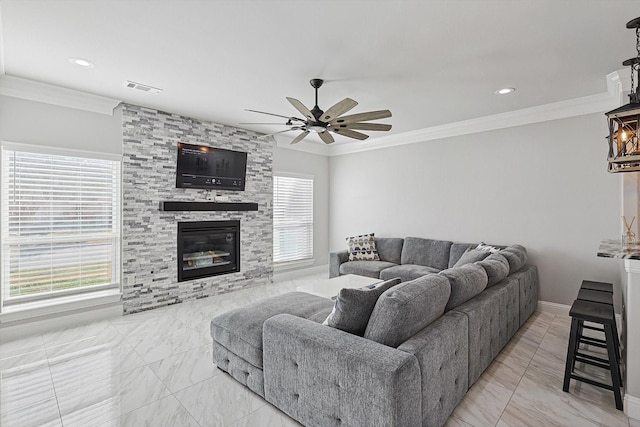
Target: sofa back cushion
column 405, row 309
column 427, row 252
column 497, row 268
column 516, row 255
column 466, row 281
column 389, row 249
column 457, row 249
column 353, row 307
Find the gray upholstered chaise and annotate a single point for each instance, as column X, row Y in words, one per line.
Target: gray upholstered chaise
column 428, row 340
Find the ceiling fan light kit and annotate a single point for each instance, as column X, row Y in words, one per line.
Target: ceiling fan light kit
column 324, row 123
column 624, row 122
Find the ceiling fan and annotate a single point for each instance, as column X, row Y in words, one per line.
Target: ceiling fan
column 331, row 121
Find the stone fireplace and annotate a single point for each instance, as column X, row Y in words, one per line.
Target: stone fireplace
column 153, row 208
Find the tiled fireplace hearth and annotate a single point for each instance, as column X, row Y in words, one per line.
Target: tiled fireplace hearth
column 149, row 232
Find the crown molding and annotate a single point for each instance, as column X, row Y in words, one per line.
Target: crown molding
column 542, row 113
column 558, row 110
column 49, row 94
column 622, row 78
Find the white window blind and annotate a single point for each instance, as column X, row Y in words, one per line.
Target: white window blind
column 292, row 218
column 60, row 224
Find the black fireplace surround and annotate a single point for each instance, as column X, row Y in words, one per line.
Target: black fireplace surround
column 208, row 248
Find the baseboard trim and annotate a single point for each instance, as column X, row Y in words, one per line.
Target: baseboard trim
column 40, row 324
column 563, row 309
column 553, row 307
column 632, row 406
column 296, row 274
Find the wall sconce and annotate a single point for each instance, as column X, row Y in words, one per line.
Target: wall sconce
column 624, row 122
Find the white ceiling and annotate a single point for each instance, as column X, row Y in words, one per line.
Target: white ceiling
column 429, row 62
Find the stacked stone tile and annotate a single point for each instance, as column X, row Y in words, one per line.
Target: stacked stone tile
column 149, row 236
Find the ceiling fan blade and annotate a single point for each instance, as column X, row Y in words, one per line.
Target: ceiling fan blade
column 277, row 115
column 300, row 137
column 362, row 117
column 349, row 133
column 246, row 123
column 339, row 109
column 365, row 126
column 282, row 131
column 300, row 107
column 326, row 137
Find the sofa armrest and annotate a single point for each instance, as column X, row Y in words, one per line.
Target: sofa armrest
column 335, row 259
column 323, row 376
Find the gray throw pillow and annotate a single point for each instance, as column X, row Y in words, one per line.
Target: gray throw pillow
column 471, row 255
column 466, row 282
column 497, row 268
column 404, row 310
column 353, row 307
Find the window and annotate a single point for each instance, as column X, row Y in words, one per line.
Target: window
column 292, row 218
column 60, row 222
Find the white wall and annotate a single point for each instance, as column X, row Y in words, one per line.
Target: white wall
column 293, row 161
column 542, row 185
column 33, row 122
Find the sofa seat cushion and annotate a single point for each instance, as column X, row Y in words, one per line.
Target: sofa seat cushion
column 467, row 281
column 365, row 268
column 353, row 307
column 427, row 252
column 406, row 272
column 407, row 308
column 240, row 330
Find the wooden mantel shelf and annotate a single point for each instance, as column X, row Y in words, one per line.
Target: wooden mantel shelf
column 168, row 205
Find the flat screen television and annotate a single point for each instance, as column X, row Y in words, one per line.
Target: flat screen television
column 199, row 166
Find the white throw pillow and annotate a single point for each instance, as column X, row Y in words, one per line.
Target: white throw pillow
column 362, row 248
column 487, row 248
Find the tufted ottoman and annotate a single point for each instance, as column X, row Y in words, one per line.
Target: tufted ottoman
column 237, row 335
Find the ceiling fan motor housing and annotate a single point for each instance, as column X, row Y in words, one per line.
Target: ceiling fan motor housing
column 317, row 113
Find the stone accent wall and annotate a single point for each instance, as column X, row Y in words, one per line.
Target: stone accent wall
column 149, row 236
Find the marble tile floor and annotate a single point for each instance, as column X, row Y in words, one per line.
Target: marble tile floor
column 154, row 369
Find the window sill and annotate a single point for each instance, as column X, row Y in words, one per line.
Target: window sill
column 284, row 266
column 61, row 305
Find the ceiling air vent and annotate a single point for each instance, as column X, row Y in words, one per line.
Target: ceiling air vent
column 142, row 87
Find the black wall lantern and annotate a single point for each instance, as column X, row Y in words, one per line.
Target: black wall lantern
column 624, row 122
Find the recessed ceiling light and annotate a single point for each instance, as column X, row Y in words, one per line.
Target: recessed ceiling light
column 82, row 62
column 505, row 91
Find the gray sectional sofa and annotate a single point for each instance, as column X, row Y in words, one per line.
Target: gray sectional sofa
column 407, row 258
column 427, row 340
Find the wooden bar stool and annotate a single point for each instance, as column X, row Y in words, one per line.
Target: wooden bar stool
column 602, row 298
column 594, row 312
column 597, row 286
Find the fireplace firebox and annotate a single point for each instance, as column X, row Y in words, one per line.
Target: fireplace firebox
column 208, row 248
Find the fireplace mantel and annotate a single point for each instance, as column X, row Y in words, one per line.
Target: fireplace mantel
column 168, row 205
